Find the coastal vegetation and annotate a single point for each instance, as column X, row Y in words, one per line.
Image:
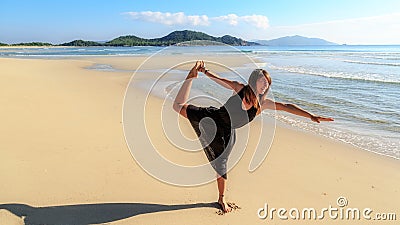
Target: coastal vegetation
column 171, row 39
column 184, row 38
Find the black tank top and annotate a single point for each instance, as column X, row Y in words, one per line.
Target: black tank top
column 233, row 115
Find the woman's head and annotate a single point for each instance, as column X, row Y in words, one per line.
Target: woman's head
column 260, row 81
column 258, row 85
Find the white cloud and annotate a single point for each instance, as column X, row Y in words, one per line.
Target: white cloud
column 256, row 20
column 232, row 19
column 170, row 18
column 259, row 21
column 180, row 18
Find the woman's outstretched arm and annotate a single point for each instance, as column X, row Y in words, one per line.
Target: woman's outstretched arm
column 181, row 98
column 234, row 85
column 294, row 109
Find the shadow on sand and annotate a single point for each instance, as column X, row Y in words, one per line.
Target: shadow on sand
column 92, row 213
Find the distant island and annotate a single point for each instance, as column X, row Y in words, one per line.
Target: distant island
column 294, row 40
column 180, row 37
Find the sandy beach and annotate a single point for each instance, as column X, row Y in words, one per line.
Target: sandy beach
column 64, row 159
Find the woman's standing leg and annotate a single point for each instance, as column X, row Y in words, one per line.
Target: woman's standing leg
column 221, row 189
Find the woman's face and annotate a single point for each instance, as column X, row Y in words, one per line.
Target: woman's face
column 262, row 85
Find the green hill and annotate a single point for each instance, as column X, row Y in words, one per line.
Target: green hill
column 82, row 43
column 229, row 40
column 128, row 40
column 33, row 44
column 185, row 37
column 182, row 36
column 174, row 38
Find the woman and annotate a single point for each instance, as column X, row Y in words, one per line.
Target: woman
column 241, row 108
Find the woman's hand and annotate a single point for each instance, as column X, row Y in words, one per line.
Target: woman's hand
column 194, row 71
column 202, row 67
column 318, row 119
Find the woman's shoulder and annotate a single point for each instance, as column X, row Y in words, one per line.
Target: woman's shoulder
column 239, row 87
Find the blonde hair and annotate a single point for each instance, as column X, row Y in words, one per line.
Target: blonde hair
column 250, row 90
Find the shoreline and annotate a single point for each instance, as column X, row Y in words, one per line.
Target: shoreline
column 64, row 149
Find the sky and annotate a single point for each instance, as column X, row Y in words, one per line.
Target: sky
column 339, row 21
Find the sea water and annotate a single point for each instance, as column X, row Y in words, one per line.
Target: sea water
column 359, row 86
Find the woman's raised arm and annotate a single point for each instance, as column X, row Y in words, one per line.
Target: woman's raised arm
column 233, row 85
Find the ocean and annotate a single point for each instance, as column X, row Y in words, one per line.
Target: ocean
column 359, row 86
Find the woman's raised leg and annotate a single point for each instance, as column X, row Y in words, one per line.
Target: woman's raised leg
column 179, row 104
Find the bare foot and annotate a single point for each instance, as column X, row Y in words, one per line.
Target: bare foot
column 224, row 206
